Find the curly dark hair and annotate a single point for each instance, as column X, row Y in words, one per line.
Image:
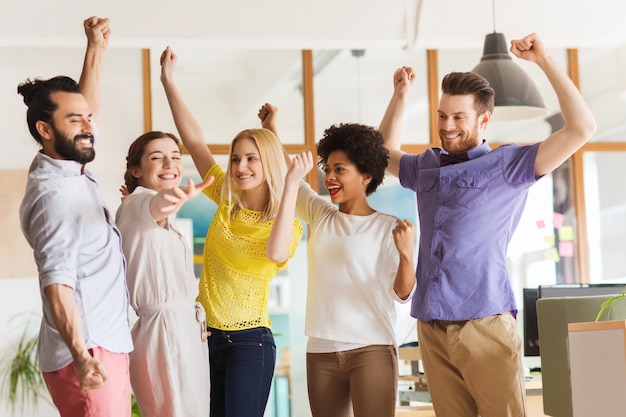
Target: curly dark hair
column 362, row 144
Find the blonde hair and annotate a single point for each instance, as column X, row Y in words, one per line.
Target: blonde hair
column 274, row 171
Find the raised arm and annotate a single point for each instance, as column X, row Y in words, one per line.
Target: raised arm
column 267, row 114
column 403, row 237
column 282, row 231
column 188, row 127
column 580, row 124
column 98, row 33
column 391, row 124
column 65, row 314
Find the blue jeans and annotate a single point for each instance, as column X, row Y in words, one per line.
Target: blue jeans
column 242, row 368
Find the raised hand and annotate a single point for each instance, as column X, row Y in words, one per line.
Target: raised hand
column 97, row 30
column 300, row 166
column 267, row 114
column 529, row 48
column 403, row 77
column 168, row 62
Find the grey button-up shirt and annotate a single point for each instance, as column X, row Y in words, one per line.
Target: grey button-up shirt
column 75, row 243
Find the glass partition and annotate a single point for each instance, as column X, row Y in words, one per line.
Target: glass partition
column 355, row 86
column 603, row 84
column 605, row 204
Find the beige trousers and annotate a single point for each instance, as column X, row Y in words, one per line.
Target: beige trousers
column 474, row 367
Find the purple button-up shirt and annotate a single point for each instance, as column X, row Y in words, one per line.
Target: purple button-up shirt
column 468, row 213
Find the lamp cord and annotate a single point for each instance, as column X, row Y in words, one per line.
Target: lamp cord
column 493, row 14
column 358, row 69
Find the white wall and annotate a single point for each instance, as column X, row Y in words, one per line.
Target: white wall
column 282, row 23
column 303, row 24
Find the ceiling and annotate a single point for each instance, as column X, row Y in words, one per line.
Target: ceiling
column 455, row 27
column 317, row 24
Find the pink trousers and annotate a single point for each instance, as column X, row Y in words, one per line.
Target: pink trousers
column 112, row 400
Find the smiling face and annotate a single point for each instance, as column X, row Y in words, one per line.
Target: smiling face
column 161, row 165
column 460, row 128
column 346, row 185
column 70, row 134
column 246, row 167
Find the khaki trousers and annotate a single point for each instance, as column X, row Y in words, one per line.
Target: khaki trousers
column 474, row 367
column 365, row 379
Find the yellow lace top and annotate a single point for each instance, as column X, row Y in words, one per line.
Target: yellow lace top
column 234, row 283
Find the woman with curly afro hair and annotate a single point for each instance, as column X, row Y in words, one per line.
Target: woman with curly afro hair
column 360, row 264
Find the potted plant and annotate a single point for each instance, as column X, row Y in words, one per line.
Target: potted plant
column 22, row 382
column 608, row 304
column 134, row 411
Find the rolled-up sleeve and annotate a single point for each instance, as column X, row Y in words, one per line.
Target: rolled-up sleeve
column 52, row 228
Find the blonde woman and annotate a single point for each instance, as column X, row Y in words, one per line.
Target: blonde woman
column 237, row 268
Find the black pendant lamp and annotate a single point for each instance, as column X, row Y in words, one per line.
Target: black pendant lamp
column 516, row 96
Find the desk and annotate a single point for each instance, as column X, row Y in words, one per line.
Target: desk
column 413, row 411
column 534, row 396
column 534, row 402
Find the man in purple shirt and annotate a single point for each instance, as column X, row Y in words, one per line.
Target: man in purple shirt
column 470, row 199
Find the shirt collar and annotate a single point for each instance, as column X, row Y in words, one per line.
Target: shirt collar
column 66, row 167
column 479, row 151
column 475, row 152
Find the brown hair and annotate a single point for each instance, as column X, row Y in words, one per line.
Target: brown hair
column 135, row 153
column 470, row 83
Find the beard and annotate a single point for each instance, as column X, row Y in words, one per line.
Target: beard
column 465, row 143
column 69, row 149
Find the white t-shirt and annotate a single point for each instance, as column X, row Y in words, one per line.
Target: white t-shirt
column 353, row 263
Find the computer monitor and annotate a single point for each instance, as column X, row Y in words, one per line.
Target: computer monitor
column 531, row 295
column 531, row 332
